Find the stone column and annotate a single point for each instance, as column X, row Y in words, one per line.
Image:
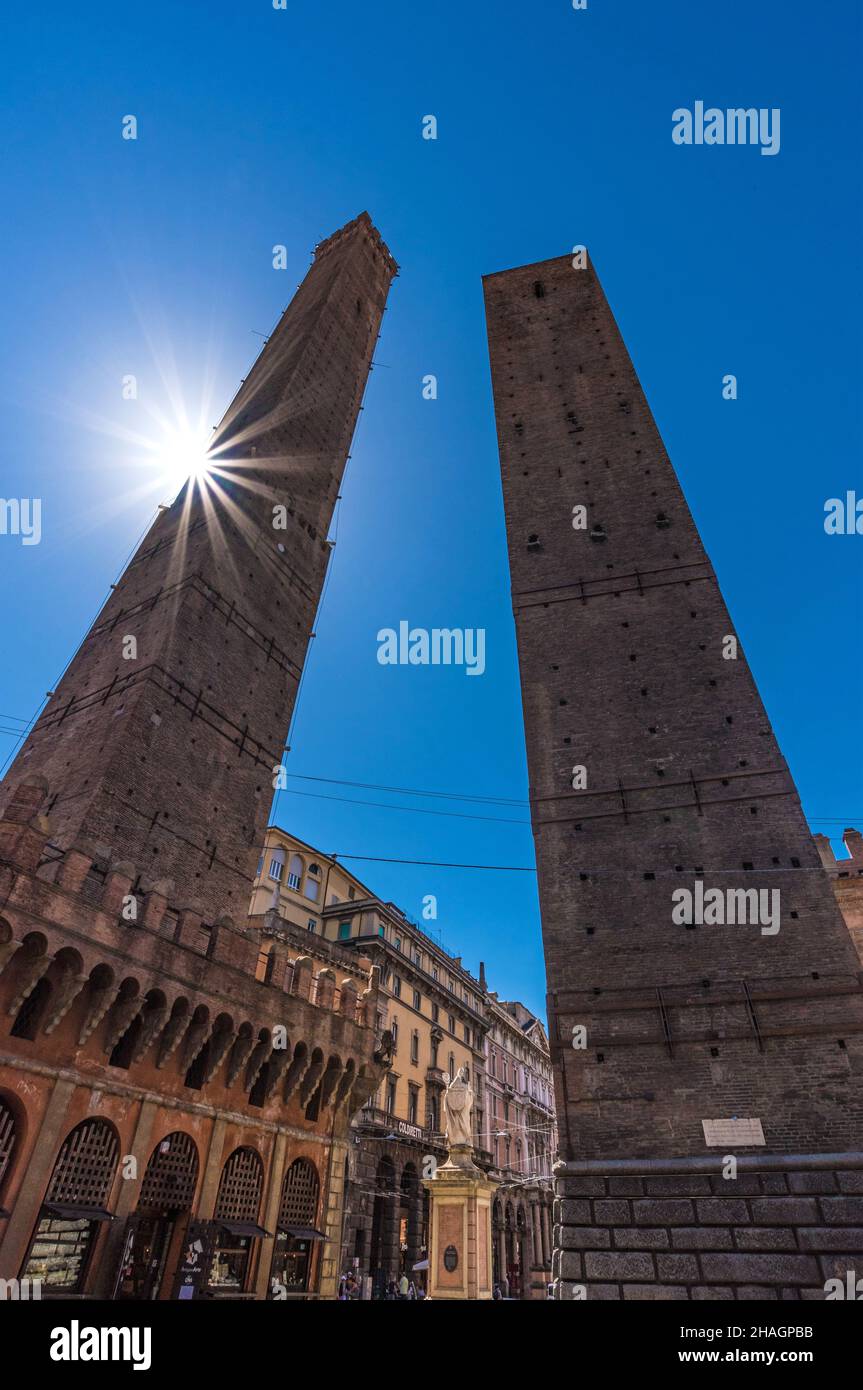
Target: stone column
column 212, row 1171
column 536, row 1241
column 270, row 1215
column 328, row 1281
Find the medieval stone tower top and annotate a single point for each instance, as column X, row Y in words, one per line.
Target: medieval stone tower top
column 655, row 779
column 161, row 750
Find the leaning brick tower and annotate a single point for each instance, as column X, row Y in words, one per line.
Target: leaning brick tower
column 165, row 758
column 708, row 1075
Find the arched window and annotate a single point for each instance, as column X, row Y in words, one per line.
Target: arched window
column 74, row 1205
column 7, row 1141
column 277, row 865
column 313, row 882
column 167, row 1194
column 297, row 1232
column 172, row 1172
column 236, row 1213
column 451, row 1067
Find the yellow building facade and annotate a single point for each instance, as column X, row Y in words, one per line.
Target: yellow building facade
column 440, row 1019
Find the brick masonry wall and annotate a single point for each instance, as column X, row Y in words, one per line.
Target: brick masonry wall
column 767, row 1235
column 167, row 759
column 621, row 629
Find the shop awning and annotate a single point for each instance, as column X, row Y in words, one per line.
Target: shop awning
column 70, row 1213
column 303, row 1232
column 421, row 1264
column 243, row 1228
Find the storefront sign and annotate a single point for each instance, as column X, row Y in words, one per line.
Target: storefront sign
column 411, row 1131
column 194, row 1267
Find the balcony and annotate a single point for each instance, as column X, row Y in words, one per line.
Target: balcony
column 376, row 1121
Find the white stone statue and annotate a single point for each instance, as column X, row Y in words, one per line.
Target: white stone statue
column 458, row 1104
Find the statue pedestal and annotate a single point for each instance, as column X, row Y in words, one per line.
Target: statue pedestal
column 460, row 1198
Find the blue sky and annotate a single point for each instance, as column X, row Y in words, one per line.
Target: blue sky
column 259, row 127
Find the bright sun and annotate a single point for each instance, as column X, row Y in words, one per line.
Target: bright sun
column 182, row 454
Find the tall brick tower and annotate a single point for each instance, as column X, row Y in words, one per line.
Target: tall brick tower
column 160, row 751
column 653, row 768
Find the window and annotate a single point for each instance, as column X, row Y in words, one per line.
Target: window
column 435, row 1013
column 418, row 960
column 397, row 987
column 313, row 886
column 260, row 867
column 413, row 1105
column 417, row 1000
column 277, row 868
column 435, row 973
column 466, row 1034
column 390, row 1098
column 74, row 1205
column 296, row 1226
column 204, row 939
column 451, row 1067
column 452, row 985
column 295, row 872
column 236, row 1214
column 398, row 943
column 394, row 1029
column 352, row 893
column 451, row 1024
column 7, row 1139
column 312, row 924
column 344, row 931
column 415, row 1047
column 266, row 962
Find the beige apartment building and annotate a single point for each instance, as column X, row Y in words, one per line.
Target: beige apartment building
column 436, row 1011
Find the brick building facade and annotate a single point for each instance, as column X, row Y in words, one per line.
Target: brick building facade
column 846, row 876
column 653, row 768
column 521, row 1132
column 162, row 1106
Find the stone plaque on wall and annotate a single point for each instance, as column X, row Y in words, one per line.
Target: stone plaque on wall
column 727, row 1133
